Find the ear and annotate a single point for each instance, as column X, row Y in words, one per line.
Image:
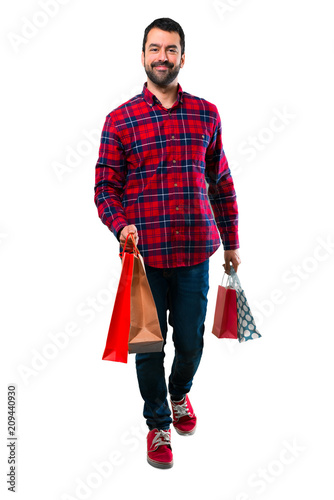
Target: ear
column 182, row 60
column 142, row 58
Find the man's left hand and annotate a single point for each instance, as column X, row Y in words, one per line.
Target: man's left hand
column 231, row 256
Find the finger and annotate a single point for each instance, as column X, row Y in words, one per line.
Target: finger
column 127, row 236
column 236, row 264
column 132, row 242
column 132, row 230
column 132, row 235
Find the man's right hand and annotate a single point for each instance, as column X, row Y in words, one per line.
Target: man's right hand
column 125, row 231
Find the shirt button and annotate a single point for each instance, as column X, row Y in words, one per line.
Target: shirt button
column 176, row 208
column 174, row 161
column 173, row 136
column 176, row 232
column 175, row 184
column 203, row 136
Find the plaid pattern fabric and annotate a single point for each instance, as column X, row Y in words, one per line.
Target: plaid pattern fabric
column 166, row 172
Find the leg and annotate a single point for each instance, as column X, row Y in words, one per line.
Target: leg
column 188, row 302
column 150, row 366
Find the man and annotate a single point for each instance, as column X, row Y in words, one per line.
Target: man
column 157, row 150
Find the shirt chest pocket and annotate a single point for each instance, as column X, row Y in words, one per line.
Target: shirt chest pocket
column 196, row 144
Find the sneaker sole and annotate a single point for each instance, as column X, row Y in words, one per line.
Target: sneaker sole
column 160, row 465
column 185, row 433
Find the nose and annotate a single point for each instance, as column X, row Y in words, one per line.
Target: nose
column 162, row 55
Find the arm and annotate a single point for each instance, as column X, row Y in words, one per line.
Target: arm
column 110, row 178
column 222, row 197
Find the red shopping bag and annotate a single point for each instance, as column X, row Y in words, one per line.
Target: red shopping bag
column 134, row 325
column 116, row 348
column 225, row 325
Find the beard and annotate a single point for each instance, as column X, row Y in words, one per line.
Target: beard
column 162, row 78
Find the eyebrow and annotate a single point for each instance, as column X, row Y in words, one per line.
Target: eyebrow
column 168, row 46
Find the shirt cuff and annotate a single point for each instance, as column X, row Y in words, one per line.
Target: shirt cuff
column 119, row 234
column 230, row 240
column 117, row 225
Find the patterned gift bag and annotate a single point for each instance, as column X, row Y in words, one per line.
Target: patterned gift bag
column 246, row 325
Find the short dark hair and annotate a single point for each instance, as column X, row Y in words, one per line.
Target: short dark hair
column 165, row 24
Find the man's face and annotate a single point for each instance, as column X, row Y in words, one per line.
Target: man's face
column 162, row 59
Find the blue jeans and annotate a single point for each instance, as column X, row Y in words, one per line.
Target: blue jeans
column 183, row 291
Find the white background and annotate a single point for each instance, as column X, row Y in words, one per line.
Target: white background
column 62, row 73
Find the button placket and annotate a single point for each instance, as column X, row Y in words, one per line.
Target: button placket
column 172, row 156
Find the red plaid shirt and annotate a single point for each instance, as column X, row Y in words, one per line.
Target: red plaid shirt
column 152, row 171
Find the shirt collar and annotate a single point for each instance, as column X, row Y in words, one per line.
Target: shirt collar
column 152, row 99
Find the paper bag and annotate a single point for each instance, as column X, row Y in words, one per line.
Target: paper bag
column 145, row 334
column 134, row 325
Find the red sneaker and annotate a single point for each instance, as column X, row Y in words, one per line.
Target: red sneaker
column 159, row 450
column 184, row 418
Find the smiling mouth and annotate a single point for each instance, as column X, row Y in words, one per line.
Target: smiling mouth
column 161, row 66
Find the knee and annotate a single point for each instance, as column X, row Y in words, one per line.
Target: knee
column 187, row 354
column 149, row 357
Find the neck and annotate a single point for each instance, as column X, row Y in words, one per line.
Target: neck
column 166, row 95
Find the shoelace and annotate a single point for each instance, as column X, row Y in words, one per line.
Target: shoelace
column 181, row 410
column 161, row 438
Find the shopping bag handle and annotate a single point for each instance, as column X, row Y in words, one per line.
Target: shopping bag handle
column 235, row 279
column 228, row 280
column 232, row 279
column 135, row 249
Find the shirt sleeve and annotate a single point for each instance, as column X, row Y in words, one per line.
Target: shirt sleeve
column 110, row 178
column 221, row 190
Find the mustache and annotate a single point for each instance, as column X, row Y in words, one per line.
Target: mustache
column 167, row 65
